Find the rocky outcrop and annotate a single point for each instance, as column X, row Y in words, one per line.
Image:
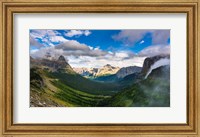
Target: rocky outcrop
column 161, row 72
column 87, row 72
column 123, row 72
column 96, row 72
column 52, row 65
column 150, row 61
column 107, row 70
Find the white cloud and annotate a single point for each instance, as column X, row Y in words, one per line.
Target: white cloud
column 155, row 50
column 121, row 54
column 55, row 53
column 72, row 45
column 97, row 48
column 68, row 48
column 72, row 33
column 37, row 33
column 159, row 63
column 88, row 62
column 160, row 36
column 90, row 47
column 130, row 37
column 141, row 42
column 110, row 52
column 80, row 55
column 58, row 39
column 119, row 59
column 47, row 37
column 41, row 33
column 87, row 32
column 34, row 50
column 35, row 43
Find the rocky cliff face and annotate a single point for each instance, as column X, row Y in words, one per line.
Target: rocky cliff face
column 52, row 65
column 127, row 71
column 96, row 72
column 107, row 70
column 161, row 72
column 150, row 61
column 87, row 72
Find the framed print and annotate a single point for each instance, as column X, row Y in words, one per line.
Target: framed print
column 115, row 68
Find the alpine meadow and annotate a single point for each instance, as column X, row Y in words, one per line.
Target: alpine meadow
column 99, row 68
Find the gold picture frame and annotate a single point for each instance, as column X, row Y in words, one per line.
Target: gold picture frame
column 10, row 7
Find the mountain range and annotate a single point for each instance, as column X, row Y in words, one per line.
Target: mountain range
column 108, row 73
column 56, row 83
column 96, row 72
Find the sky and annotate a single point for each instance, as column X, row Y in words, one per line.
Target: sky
column 96, row 48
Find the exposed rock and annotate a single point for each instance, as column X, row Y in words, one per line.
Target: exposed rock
column 87, row 72
column 161, row 72
column 96, row 72
column 127, row 71
column 150, row 61
column 53, row 65
column 107, row 70
column 62, row 59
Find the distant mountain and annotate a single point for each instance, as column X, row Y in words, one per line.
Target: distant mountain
column 121, row 73
column 107, row 73
column 86, row 72
column 107, row 70
column 125, row 71
column 97, row 72
column 131, row 79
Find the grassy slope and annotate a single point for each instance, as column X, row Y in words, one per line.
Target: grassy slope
column 61, row 89
column 107, row 78
column 83, row 84
column 152, row 92
column 75, row 97
column 51, row 91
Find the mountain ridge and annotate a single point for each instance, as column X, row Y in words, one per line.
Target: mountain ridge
column 96, row 72
column 53, row 65
column 55, row 83
column 149, row 61
column 107, row 70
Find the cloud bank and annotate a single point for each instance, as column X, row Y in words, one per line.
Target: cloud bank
column 157, row 64
column 82, row 55
column 155, row 50
column 72, row 33
column 131, row 37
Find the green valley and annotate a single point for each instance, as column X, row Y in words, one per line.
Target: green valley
column 56, row 84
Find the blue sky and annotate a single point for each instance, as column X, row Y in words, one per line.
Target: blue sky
column 84, row 47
